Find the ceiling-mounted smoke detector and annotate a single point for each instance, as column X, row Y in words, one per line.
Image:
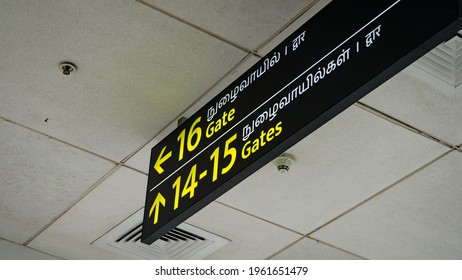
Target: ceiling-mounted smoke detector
column 67, row 68
column 284, row 162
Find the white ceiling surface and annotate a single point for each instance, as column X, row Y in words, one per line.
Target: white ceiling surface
column 380, row 181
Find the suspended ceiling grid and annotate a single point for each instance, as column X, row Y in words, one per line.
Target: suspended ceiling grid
column 380, row 181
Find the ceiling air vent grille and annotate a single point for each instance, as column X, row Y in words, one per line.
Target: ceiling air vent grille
column 442, row 67
column 181, row 243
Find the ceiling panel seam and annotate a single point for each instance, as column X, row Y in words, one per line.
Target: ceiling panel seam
column 121, row 222
column 403, row 124
column 336, row 247
column 134, row 169
column 283, row 249
column 199, row 102
column 260, row 218
column 280, row 30
column 190, row 24
column 74, row 203
column 31, row 248
column 361, row 203
column 59, row 140
column 203, row 99
column 135, row 151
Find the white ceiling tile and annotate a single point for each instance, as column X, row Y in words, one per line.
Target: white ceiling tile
column 70, row 237
column 134, row 74
column 417, row 219
column 284, row 34
column 349, row 159
column 139, row 68
column 308, row 249
column 35, row 187
column 251, row 238
column 13, row 251
column 244, row 22
column 140, row 160
column 415, row 103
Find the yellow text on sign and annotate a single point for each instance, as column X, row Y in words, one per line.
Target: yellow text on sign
column 215, row 126
column 160, row 200
column 192, row 139
column 252, row 146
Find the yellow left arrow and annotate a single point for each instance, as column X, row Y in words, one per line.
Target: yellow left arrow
column 160, row 199
column 161, row 159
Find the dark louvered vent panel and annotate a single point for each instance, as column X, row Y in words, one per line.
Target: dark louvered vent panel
column 182, row 242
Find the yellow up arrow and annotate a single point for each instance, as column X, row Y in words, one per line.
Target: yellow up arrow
column 160, row 199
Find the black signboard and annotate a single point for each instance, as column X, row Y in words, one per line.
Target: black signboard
column 346, row 50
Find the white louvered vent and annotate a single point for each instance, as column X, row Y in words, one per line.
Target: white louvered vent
column 442, row 67
column 181, row 243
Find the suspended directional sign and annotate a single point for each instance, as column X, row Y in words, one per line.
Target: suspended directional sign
column 338, row 56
